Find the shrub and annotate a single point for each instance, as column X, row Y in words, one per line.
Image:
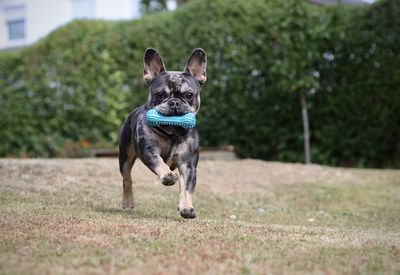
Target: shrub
column 80, row 82
column 356, row 111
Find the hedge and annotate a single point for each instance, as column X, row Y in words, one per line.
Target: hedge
column 71, row 91
column 356, row 112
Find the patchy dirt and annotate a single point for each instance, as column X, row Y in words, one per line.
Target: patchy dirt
column 63, row 216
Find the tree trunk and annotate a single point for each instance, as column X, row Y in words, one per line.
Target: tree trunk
column 306, row 128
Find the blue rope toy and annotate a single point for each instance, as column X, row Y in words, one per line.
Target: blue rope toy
column 153, row 118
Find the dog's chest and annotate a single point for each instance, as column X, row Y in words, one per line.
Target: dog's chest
column 174, row 153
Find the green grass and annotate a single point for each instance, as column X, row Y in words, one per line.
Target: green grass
column 64, row 216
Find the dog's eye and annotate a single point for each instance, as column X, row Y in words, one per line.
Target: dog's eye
column 160, row 95
column 189, row 95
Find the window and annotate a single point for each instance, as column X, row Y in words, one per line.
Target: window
column 16, row 29
column 82, row 8
column 15, row 22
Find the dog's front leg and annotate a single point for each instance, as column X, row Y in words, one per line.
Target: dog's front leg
column 187, row 183
column 156, row 164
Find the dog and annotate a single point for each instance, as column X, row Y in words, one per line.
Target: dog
column 165, row 149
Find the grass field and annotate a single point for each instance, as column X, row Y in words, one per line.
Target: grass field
column 64, row 216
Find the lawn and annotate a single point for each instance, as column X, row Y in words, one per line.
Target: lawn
column 64, row 216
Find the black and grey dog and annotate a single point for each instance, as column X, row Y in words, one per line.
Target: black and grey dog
column 164, row 149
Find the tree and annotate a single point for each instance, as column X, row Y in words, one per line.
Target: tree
column 302, row 30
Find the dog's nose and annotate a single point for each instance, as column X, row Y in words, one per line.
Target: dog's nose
column 174, row 103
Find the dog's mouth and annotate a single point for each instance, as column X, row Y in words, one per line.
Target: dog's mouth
column 171, row 113
column 167, row 111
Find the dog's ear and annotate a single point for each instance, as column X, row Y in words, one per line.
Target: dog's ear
column 153, row 65
column 196, row 65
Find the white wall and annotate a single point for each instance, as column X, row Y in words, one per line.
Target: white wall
column 3, row 24
column 117, row 9
column 2, row 27
column 43, row 16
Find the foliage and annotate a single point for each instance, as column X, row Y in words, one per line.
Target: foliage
column 65, row 87
column 356, row 117
column 149, row 6
column 79, row 83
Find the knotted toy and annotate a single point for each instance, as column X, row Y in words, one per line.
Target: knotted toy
column 154, row 118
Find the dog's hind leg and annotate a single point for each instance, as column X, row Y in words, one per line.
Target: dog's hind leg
column 127, row 158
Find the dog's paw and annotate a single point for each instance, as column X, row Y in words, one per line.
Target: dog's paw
column 128, row 204
column 170, row 179
column 128, row 207
column 188, row 213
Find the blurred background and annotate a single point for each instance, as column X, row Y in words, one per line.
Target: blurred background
column 289, row 80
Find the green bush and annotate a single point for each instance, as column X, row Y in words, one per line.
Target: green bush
column 66, row 87
column 355, row 114
column 78, row 84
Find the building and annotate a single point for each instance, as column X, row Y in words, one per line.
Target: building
column 23, row 22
